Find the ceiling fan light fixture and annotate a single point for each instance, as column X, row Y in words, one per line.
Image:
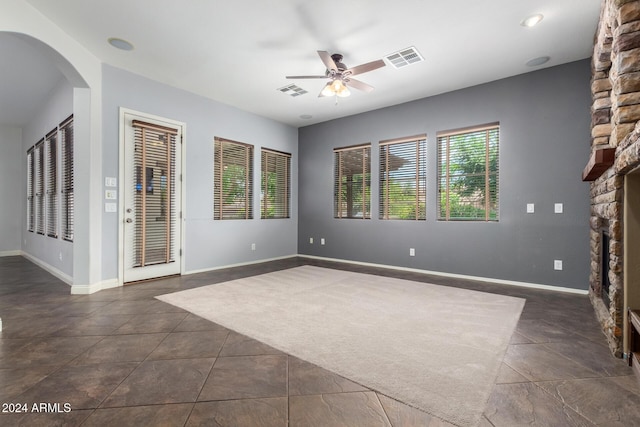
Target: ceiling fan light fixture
column 531, row 21
column 336, row 87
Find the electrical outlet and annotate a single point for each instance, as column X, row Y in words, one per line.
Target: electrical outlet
column 531, row 208
column 557, row 264
column 558, row 208
column 412, row 252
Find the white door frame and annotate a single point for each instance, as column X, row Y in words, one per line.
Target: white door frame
column 122, row 185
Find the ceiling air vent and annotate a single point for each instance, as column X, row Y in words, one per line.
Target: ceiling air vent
column 404, row 57
column 293, row 90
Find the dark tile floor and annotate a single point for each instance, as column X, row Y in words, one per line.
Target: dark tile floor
column 122, row 358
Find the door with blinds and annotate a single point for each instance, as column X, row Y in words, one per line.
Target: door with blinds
column 152, row 198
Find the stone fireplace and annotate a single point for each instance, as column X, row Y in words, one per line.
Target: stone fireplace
column 613, row 169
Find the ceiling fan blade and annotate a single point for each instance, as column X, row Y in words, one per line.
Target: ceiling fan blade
column 306, row 77
column 363, row 68
column 326, row 59
column 357, row 84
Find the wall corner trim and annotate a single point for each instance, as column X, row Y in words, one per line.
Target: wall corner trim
column 94, row 287
column 240, row 264
column 10, row 253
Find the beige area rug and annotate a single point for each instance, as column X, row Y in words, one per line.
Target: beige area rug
column 433, row 347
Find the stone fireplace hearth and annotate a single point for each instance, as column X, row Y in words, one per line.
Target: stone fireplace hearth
column 613, row 168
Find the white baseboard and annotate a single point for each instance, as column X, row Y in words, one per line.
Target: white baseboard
column 260, row 261
column 10, row 253
column 457, row 276
column 94, row 287
column 75, row 289
column 48, row 267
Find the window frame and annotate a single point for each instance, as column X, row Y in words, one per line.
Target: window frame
column 67, row 179
column 51, row 145
column 416, row 176
column 40, row 180
column 282, row 191
column 445, row 179
column 31, row 180
column 341, row 208
column 246, row 207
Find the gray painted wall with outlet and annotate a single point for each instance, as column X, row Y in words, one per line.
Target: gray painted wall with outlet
column 208, row 244
column 544, row 145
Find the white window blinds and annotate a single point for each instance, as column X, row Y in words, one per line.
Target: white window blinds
column 40, row 179
column 233, row 181
column 468, row 174
column 31, row 182
column 403, row 178
column 352, row 182
column 275, row 191
column 66, row 186
column 51, row 142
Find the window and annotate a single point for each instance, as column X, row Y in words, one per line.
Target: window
column 66, row 190
column 352, row 182
column 52, row 183
column 468, row 174
column 233, row 183
column 276, row 180
column 39, row 195
column 31, row 189
column 403, row 178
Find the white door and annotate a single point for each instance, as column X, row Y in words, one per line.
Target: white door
column 151, row 198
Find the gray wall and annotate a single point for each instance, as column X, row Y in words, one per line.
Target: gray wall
column 544, row 145
column 54, row 252
column 12, row 162
column 208, row 243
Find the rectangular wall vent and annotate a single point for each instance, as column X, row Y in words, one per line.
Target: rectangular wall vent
column 404, row 57
column 292, row 90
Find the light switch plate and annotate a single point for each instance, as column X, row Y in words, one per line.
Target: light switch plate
column 110, row 194
column 557, row 264
column 110, row 207
column 110, row 182
column 531, row 208
column 558, row 208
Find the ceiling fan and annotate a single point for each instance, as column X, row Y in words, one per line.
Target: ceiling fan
column 340, row 76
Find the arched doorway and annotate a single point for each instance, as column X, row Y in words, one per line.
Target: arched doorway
column 37, row 75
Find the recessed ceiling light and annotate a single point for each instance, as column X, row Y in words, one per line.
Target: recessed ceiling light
column 532, row 20
column 306, row 116
column 538, row 61
column 120, row 43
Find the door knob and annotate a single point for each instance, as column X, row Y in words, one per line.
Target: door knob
column 128, row 220
column 128, row 210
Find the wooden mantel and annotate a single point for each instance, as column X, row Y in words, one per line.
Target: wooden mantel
column 601, row 160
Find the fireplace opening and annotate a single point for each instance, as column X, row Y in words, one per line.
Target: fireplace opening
column 604, row 266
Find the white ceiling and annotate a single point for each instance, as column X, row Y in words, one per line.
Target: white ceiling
column 239, row 52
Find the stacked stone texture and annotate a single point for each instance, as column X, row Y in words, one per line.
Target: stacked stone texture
column 615, row 112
